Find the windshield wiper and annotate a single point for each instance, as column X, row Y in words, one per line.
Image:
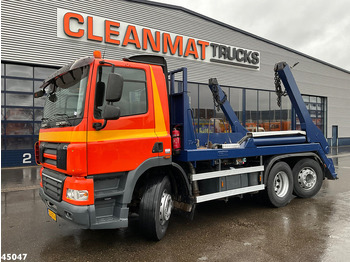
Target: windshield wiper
column 65, row 116
column 65, row 122
column 61, row 114
column 44, row 122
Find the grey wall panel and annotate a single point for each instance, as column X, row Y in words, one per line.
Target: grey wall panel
column 29, row 34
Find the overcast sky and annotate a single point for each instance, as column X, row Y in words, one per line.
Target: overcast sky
column 319, row 28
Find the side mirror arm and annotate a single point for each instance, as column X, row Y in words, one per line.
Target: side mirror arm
column 99, row 126
column 110, row 113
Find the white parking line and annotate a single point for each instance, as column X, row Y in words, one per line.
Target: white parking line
column 341, row 155
column 14, row 189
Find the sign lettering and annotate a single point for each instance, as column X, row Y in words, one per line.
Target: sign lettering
column 84, row 27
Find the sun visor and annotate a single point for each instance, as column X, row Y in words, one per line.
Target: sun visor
column 71, row 66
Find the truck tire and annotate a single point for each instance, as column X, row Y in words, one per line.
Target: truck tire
column 308, row 178
column 279, row 185
column 155, row 208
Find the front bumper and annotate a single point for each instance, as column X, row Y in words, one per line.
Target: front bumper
column 98, row 216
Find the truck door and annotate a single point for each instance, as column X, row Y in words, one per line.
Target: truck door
column 128, row 141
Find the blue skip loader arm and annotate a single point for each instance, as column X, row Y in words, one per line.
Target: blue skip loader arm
column 221, row 99
column 313, row 134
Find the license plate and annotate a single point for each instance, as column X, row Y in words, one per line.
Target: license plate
column 52, row 214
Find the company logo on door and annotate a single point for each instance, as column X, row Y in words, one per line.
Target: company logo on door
column 84, row 27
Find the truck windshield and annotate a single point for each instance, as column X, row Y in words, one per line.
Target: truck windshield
column 65, row 98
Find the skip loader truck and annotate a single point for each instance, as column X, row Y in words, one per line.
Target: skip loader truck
column 117, row 138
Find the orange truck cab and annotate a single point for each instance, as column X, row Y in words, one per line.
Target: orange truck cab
column 105, row 130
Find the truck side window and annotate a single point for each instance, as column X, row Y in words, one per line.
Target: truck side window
column 134, row 97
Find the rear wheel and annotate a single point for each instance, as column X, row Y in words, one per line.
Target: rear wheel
column 155, row 208
column 279, row 185
column 308, row 178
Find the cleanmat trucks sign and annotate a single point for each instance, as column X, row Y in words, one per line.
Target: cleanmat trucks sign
column 84, row 27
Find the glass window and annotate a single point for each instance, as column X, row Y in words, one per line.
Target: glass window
column 38, row 102
column 19, row 99
column 66, row 97
column 206, row 108
column 178, row 87
column 19, row 114
column 134, row 96
column 37, row 84
column 236, row 102
column 297, row 123
column 312, row 106
column 42, row 72
column 2, row 113
column 19, row 70
column 252, row 110
column 38, row 114
column 19, row 128
column 17, row 143
column 306, row 99
column 133, row 100
column 193, row 96
column 19, row 85
column 129, row 73
column 275, row 114
column 2, row 99
column 316, row 106
column 286, row 113
column 2, row 69
column 36, row 128
column 264, row 111
column 2, row 84
column 313, row 99
column 313, row 113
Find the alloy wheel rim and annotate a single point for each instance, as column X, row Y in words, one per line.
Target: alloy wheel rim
column 307, row 178
column 166, row 205
column 281, row 184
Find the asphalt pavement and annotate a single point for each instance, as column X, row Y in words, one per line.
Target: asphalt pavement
column 315, row 229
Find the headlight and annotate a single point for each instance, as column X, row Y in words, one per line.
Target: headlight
column 77, row 195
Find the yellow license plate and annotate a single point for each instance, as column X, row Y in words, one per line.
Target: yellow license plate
column 52, row 214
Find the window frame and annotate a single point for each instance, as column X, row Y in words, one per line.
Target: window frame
column 34, row 80
column 125, row 80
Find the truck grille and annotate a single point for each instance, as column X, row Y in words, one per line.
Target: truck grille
column 54, row 154
column 53, row 184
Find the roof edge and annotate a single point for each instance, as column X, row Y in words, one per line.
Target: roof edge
column 176, row 7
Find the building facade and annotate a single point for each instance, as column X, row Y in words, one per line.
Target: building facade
column 35, row 43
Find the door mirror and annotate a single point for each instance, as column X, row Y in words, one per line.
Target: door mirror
column 114, row 87
column 111, row 112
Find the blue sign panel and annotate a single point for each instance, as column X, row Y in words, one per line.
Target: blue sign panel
column 13, row 158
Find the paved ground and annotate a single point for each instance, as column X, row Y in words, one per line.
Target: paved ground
column 315, row 229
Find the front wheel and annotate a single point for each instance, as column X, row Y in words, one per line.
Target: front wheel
column 308, row 178
column 279, row 185
column 155, row 207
